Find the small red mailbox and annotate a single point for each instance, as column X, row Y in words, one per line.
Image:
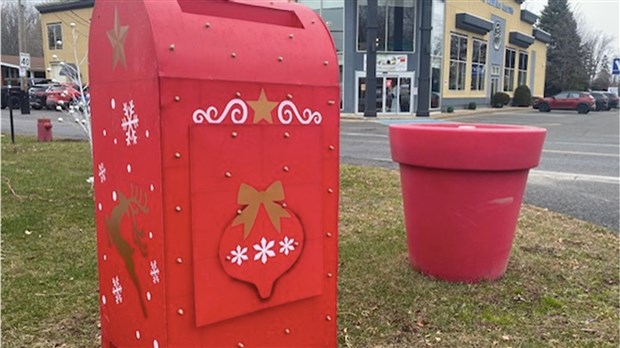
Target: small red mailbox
column 215, row 140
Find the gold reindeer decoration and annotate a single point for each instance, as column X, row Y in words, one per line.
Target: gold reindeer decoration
column 130, row 206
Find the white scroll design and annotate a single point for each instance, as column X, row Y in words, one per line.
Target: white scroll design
column 238, row 115
column 287, row 109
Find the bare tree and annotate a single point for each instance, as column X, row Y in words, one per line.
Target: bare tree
column 32, row 29
column 596, row 45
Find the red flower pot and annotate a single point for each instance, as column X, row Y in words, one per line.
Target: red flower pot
column 462, row 190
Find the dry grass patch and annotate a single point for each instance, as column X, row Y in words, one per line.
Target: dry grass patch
column 561, row 288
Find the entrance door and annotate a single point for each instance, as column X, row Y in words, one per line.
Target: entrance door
column 393, row 93
column 494, row 85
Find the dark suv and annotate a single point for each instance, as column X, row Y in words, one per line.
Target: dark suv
column 583, row 102
column 10, row 96
column 602, row 102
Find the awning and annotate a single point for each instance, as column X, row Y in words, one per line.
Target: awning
column 528, row 17
column 542, row 35
column 520, row 39
column 472, row 23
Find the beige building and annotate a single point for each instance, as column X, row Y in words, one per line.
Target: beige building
column 65, row 27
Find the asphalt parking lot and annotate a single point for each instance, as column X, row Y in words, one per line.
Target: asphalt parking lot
column 579, row 170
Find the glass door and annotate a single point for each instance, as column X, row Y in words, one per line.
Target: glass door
column 361, row 94
column 394, row 93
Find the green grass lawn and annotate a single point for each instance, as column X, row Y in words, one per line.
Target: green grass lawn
column 561, row 288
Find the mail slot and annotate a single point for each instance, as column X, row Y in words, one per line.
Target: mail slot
column 215, row 157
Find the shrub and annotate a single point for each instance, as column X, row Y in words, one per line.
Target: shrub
column 450, row 109
column 500, row 99
column 522, row 96
column 471, row 106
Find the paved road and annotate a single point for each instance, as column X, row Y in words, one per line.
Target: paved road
column 27, row 124
column 578, row 174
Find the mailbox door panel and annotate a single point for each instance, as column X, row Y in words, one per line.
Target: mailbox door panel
column 251, row 131
column 239, row 269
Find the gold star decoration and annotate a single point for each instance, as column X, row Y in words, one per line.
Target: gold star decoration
column 262, row 108
column 117, row 36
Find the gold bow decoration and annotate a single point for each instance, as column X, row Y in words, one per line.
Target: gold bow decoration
column 253, row 199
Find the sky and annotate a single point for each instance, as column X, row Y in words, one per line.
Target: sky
column 596, row 14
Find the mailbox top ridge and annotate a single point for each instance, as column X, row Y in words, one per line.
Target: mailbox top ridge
column 220, row 40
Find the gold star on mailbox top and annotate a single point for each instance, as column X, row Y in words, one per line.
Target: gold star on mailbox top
column 117, row 36
column 262, row 108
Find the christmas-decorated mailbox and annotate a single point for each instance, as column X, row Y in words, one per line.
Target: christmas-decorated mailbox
column 215, row 130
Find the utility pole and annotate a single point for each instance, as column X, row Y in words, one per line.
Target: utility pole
column 25, row 103
column 424, row 82
column 370, row 109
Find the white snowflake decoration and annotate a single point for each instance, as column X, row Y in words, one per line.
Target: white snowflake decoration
column 239, row 255
column 154, row 272
column 117, row 290
column 264, row 250
column 287, row 245
column 101, row 172
column 130, row 123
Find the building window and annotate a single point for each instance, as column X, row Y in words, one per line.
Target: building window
column 478, row 66
column 395, row 25
column 332, row 12
column 54, row 36
column 522, row 79
column 509, row 70
column 458, row 62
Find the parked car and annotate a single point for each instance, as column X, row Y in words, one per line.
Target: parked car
column 38, row 96
column 612, row 100
column 536, row 102
column 62, row 95
column 583, row 102
column 601, row 101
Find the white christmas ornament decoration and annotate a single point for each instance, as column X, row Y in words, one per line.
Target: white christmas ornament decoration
column 117, row 290
column 264, row 250
column 130, row 123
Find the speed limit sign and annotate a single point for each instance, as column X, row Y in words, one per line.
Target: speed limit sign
column 24, row 60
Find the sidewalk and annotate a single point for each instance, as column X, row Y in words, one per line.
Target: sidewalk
column 437, row 115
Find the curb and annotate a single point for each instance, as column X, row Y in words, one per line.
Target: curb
column 436, row 116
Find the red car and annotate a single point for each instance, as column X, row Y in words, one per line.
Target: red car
column 61, row 95
column 583, row 102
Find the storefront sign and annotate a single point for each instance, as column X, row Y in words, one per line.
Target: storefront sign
column 499, row 4
column 390, row 62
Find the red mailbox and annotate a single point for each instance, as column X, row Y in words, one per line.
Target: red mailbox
column 215, row 140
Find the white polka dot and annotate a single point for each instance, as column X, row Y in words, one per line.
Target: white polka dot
column 115, row 142
column 148, row 295
column 129, row 168
column 155, row 344
column 105, row 133
column 147, row 134
column 150, row 235
column 137, row 334
column 114, row 196
column 103, row 300
column 113, row 103
column 105, row 257
column 100, row 206
column 152, row 188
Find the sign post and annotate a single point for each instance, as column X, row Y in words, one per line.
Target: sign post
column 24, row 66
